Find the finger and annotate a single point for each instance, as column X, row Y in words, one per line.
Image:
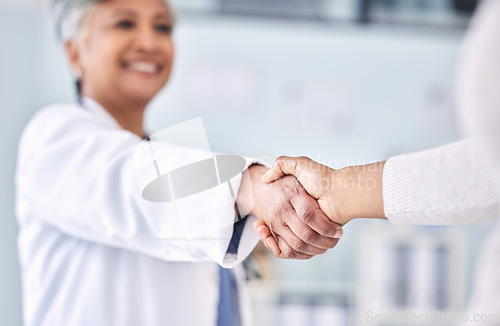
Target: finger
column 283, row 165
column 257, row 224
column 263, row 240
column 274, row 173
column 257, row 227
column 311, row 237
column 267, row 238
column 310, row 214
column 273, row 245
column 269, row 241
column 289, row 252
column 265, row 233
column 295, row 244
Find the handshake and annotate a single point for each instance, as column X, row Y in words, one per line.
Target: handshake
column 302, row 205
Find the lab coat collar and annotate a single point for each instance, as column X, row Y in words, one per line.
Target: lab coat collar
column 97, row 109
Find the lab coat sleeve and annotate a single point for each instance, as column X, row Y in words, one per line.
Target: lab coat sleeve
column 80, row 176
column 447, row 185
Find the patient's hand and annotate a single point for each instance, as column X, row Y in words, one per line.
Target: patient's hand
column 318, row 180
column 291, row 216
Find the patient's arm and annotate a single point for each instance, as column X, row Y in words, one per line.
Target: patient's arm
column 345, row 194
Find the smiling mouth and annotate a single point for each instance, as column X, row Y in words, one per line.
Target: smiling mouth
column 145, row 67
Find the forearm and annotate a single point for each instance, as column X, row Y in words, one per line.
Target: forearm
column 451, row 184
column 358, row 191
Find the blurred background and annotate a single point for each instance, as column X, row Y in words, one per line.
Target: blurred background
column 341, row 81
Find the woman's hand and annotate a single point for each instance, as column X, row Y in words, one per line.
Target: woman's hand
column 292, row 217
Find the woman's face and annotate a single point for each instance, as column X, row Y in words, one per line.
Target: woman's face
column 126, row 50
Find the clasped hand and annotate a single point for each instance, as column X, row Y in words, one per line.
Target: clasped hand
column 315, row 201
column 299, row 228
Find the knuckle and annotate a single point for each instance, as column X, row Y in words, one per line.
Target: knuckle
column 307, row 214
column 292, row 186
column 299, row 246
column 287, row 251
column 274, row 230
column 282, row 210
column 324, row 226
column 310, row 236
column 292, row 254
column 280, row 159
column 302, row 163
column 279, row 216
column 283, row 221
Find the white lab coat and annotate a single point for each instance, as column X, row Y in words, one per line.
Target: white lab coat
column 90, row 246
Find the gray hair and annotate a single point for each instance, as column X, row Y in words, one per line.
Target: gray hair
column 70, row 17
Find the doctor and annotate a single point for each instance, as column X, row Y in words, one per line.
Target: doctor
column 90, row 247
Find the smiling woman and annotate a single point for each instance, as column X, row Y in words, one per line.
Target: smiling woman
column 121, row 53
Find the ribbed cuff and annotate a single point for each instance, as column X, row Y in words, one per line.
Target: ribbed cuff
column 446, row 185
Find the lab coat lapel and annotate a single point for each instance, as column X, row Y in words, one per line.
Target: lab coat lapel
column 97, row 109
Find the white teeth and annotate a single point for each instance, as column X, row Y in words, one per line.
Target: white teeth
column 143, row 67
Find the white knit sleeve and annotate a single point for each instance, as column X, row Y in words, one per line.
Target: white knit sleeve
column 478, row 84
column 447, row 185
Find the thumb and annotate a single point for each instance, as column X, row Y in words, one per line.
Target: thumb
column 283, row 165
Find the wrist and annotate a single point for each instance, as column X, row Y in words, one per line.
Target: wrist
column 358, row 191
column 251, row 181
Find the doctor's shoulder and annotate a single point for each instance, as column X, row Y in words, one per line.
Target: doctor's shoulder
column 59, row 119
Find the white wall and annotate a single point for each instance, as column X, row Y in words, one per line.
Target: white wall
column 376, row 80
column 17, row 84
